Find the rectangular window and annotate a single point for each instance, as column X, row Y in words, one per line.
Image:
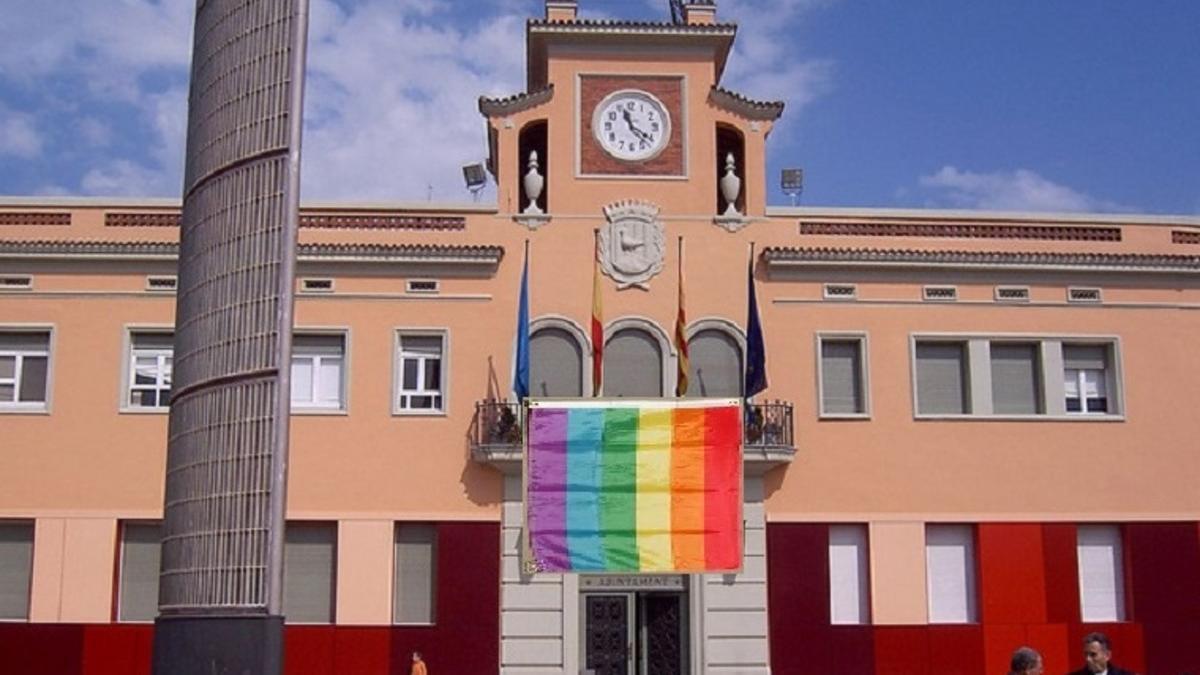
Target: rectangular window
column 150, row 357
column 1101, row 573
column 843, row 377
column 849, row 598
column 942, row 378
column 1016, row 385
column 318, row 372
column 24, row 368
column 16, row 569
column 309, row 555
column 413, row 598
column 140, row 548
column 950, row 573
column 420, row 378
column 1085, row 378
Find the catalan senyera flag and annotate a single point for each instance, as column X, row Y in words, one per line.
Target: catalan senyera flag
column 683, row 363
column 622, row 485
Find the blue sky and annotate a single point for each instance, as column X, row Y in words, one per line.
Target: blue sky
column 1053, row 105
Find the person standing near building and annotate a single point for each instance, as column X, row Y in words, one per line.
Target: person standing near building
column 1025, row 661
column 1097, row 655
column 418, row 665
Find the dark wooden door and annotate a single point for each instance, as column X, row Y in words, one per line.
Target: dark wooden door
column 663, row 653
column 607, row 634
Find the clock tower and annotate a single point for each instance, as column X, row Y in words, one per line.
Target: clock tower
column 619, row 111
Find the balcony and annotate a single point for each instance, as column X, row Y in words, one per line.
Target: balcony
column 497, row 438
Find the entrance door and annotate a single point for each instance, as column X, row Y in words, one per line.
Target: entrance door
column 635, row 633
column 608, row 634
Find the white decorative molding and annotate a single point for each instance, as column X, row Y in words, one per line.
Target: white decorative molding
column 731, row 223
column 532, row 221
column 632, row 243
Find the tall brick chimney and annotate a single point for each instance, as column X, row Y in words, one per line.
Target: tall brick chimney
column 561, row 10
column 700, row 12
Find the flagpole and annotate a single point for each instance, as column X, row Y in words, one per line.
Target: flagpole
column 682, row 358
column 597, row 323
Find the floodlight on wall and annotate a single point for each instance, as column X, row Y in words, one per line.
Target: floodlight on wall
column 791, row 181
column 475, row 176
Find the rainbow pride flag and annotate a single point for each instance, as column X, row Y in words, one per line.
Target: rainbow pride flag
column 633, row 485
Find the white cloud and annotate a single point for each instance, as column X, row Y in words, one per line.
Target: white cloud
column 1019, row 190
column 123, row 178
column 19, row 136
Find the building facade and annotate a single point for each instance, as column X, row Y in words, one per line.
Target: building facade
column 970, row 440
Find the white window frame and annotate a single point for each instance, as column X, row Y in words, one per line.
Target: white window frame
column 28, row 571
column 325, row 525
column 121, row 580
column 398, row 358
column 864, row 383
column 971, row 574
column 977, row 349
column 846, row 539
column 433, row 573
column 129, row 371
column 1110, row 377
column 311, row 405
column 19, row 356
column 1090, row 585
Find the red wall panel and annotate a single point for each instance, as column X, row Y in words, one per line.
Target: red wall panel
column 41, row 649
column 1012, row 573
column 999, row 641
column 1062, row 573
column 365, row 650
column 1172, row 647
column 1164, row 561
column 956, row 650
column 798, row 598
column 902, row 650
column 118, row 649
column 308, row 650
column 1058, row 654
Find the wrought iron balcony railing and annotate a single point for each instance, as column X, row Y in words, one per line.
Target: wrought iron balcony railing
column 497, row 436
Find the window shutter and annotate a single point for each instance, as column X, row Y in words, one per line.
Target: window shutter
column 950, row 570
column 423, row 345
column 308, row 573
column 1016, row 388
column 16, row 569
column 555, row 364
column 140, row 555
column 1085, row 357
column 941, row 380
column 841, row 376
column 849, row 599
column 153, row 341
column 318, row 344
column 633, row 365
column 716, row 365
column 1101, row 573
column 416, row 563
column 25, row 342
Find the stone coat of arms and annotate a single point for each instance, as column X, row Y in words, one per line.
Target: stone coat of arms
column 632, row 243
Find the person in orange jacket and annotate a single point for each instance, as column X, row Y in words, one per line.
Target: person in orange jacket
column 418, row 666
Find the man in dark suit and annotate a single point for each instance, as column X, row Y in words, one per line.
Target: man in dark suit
column 1097, row 655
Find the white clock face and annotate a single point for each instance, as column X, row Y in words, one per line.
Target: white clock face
column 631, row 125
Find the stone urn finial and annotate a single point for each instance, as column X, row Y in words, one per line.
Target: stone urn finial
column 533, row 182
column 731, row 186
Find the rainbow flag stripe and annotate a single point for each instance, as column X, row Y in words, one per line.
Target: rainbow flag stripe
column 634, row 486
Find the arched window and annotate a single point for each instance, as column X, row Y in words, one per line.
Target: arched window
column 715, row 357
column 555, row 363
column 633, row 364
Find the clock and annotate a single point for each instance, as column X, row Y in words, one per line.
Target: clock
column 631, row 125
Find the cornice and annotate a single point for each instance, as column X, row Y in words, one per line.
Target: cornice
column 1074, row 262
column 497, row 107
column 627, row 27
column 737, row 104
column 365, row 253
